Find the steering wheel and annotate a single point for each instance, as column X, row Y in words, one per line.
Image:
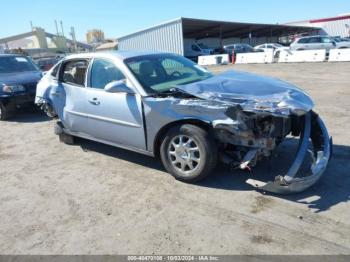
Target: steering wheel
column 176, row 73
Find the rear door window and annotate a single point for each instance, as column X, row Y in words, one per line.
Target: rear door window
column 238, row 48
column 303, row 40
column 74, row 72
column 314, row 40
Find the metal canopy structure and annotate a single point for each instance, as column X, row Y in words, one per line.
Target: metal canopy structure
column 198, row 28
column 170, row 36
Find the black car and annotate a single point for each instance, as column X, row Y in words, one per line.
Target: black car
column 18, row 79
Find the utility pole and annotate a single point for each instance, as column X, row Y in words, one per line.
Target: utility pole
column 62, row 28
column 72, row 33
column 31, row 25
column 56, row 28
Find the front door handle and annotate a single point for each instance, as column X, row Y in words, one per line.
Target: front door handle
column 94, row 101
column 55, row 93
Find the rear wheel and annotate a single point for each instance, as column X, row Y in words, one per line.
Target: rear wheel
column 188, row 153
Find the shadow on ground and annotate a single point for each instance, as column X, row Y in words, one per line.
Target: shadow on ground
column 333, row 187
column 123, row 154
column 28, row 115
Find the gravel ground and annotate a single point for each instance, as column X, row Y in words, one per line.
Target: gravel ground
column 91, row 198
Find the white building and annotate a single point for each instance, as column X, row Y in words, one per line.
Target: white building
column 333, row 26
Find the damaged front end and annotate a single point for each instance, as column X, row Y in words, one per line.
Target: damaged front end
column 246, row 144
column 260, row 113
column 314, row 130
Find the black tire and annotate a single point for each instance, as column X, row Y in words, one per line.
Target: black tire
column 207, row 153
column 4, row 112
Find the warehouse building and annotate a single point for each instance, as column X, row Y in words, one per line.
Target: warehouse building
column 174, row 36
column 333, row 26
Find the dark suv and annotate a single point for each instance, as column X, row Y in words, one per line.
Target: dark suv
column 18, row 79
column 239, row 48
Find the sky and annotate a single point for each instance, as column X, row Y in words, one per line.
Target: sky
column 120, row 17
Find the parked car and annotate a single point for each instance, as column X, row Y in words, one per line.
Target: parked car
column 165, row 105
column 317, row 42
column 274, row 47
column 193, row 49
column 239, row 48
column 45, row 64
column 341, row 39
column 18, row 79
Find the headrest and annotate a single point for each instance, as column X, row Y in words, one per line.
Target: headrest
column 146, row 68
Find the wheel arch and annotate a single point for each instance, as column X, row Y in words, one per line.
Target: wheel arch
column 161, row 133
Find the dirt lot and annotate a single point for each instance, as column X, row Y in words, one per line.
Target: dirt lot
column 95, row 199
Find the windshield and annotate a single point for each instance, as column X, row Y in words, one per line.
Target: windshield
column 14, row 64
column 162, row 72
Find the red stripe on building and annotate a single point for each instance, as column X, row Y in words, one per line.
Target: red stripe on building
column 330, row 19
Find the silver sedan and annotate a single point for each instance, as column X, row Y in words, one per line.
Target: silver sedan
column 164, row 105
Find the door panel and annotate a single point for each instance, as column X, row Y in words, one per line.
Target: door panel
column 315, row 43
column 68, row 95
column 75, row 112
column 115, row 117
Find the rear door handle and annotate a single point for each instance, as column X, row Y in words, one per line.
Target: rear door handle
column 94, row 101
column 56, row 93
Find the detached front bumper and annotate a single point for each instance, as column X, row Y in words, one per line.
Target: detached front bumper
column 316, row 131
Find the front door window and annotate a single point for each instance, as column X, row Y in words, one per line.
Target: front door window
column 104, row 72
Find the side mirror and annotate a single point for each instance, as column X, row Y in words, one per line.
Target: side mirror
column 118, row 87
column 334, row 43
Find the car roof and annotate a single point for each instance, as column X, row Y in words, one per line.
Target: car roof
column 115, row 54
column 9, row 55
column 313, row 36
column 236, row 44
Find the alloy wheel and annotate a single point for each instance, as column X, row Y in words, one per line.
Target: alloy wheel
column 184, row 154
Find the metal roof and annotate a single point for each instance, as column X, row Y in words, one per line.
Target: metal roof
column 176, row 20
column 201, row 28
column 198, row 28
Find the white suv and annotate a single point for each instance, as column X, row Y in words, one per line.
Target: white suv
column 317, row 42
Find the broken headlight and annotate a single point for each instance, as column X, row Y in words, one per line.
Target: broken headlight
column 297, row 108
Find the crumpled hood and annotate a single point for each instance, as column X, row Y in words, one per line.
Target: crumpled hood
column 252, row 92
column 20, row 78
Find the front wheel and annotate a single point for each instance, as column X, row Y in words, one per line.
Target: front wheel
column 188, row 153
column 4, row 112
